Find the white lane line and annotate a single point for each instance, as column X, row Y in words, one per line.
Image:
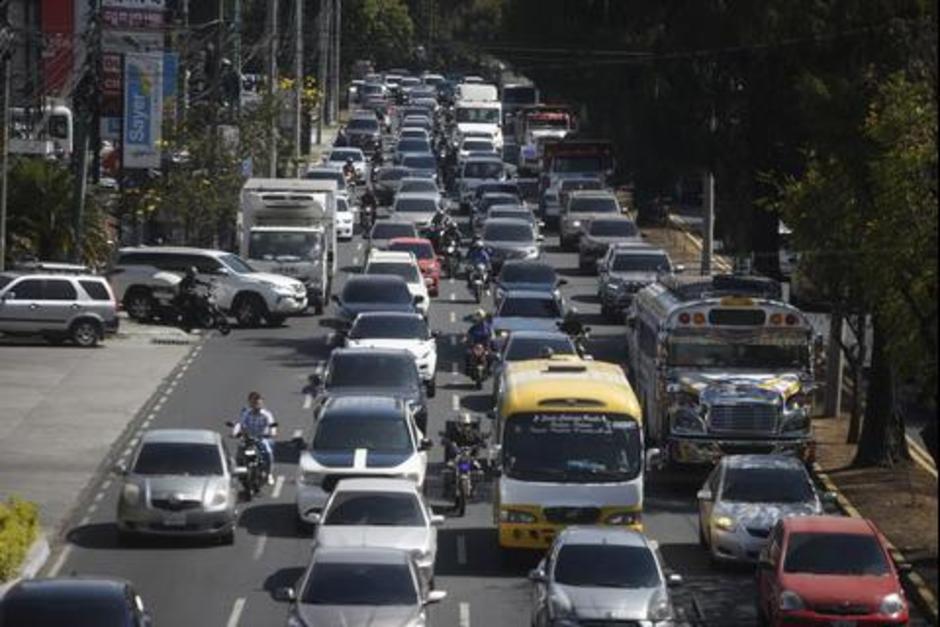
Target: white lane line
column 105, row 485
column 455, row 402
column 453, row 340
column 278, row 486
column 355, row 261
column 99, row 496
column 60, row 562
column 84, row 521
column 462, row 550
column 455, row 368
column 359, row 246
column 92, row 508
column 259, row 547
column 236, row 614
column 308, row 401
column 453, row 317
column 453, row 296
column 464, row 615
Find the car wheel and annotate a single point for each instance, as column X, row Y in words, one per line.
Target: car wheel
column 138, row 304
column 248, row 311
column 432, row 387
column 702, row 540
column 85, row 333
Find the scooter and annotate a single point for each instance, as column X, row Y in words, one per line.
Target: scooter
column 479, row 365
column 479, row 280
column 205, row 313
column 249, row 455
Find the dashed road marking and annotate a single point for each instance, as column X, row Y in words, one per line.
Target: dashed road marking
column 455, row 368
column 464, row 615
column 453, row 317
column 453, row 340
column 359, row 246
column 355, row 261
column 298, row 433
column 105, row 485
column 236, row 614
column 308, row 401
column 60, row 562
column 462, row 550
column 259, row 547
column 92, row 508
column 99, row 496
column 455, row 402
column 453, row 296
column 278, row 486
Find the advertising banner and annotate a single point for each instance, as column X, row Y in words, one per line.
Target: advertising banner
column 143, row 110
column 58, row 30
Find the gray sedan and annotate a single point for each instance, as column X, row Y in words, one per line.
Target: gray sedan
column 180, row 483
column 601, row 575
column 360, row 586
column 743, row 499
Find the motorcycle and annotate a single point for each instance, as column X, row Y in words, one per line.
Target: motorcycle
column 451, row 255
column 204, row 312
column 479, row 280
column 367, row 218
column 479, row 365
column 249, row 455
column 466, row 467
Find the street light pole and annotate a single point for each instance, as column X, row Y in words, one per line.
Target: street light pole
column 272, row 89
column 4, row 157
column 298, row 80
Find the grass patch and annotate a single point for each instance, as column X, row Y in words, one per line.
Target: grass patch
column 19, row 528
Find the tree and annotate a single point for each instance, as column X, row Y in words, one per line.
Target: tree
column 381, row 30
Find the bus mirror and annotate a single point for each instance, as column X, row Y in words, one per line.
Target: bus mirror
column 654, row 459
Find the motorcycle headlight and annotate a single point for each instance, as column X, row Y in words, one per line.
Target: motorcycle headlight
column 130, row 494
column 725, row 523
column 623, row 518
column 892, row 605
column 516, row 516
column 660, row 607
column 790, row 601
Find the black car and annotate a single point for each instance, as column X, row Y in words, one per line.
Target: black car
column 364, row 132
column 531, row 276
column 374, row 292
column 508, row 238
column 495, row 187
column 385, row 183
column 374, row 372
column 73, row 601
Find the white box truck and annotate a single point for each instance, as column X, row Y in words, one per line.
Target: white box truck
column 286, row 226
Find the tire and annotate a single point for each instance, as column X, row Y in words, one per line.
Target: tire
column 478, row 293
column 85, row 333
column 432, row 387
column 138, row 303
column 478, row 381
column 248, row 310
column 703, row 542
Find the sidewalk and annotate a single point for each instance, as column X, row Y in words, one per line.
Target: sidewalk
column 902, row 501
column 64, row 407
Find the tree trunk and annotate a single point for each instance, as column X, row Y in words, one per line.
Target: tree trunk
column 882, row 441
column 858, row 367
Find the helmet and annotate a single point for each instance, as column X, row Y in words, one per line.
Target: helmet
column 477, row 241
column 349, row 161
column 479, row 314
column 466, row 418
column 192, row 271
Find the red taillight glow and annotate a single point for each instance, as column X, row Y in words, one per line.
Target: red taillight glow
column 791, row 320
column 685, row 318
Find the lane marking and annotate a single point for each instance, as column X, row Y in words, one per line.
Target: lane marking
column 453, row 296
column 259, row 547
column 464, row 615
column 105, row 485
column 298, row 433
column 462, row 550
column 922, row 457
column 278, row 486
column 236, row 614
column 84, row 521
column 455, row 402
column 60, row 562
column 308, row 401
column 355, row 261
column 453, row 340
column 455, row 368
column 92, row 508
column 453, row 317
column 359, row 246
column 99, row 496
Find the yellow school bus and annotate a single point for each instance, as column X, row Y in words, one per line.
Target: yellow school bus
column 570, row 450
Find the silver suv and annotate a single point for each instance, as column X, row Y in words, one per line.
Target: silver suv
column 142, row 276
column 79, row 307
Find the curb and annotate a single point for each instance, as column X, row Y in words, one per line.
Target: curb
column 35, row 559
column 922, row 595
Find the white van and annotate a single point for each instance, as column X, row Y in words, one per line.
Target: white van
column 481, row 92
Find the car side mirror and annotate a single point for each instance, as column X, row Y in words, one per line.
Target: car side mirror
column 654, row 459
column 285, row 594
column 631, row 321
column 312, row 517
column 437, row 521
column 316, row 379
column 335, row 299
column 540, row 238
column 904, row 568
column 562, row 282
column 119, row 468
column 829, row 498
column 537, row 575
column 426, row 444
column 704, row 495
column 435, row 596
column 674, row 580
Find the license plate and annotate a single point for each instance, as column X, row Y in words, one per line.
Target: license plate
column 843, row 623
column 175, row 520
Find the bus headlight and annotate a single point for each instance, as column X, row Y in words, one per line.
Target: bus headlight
column 796, row 420
column 685, row 420
column 516, row 516
column 623, row 519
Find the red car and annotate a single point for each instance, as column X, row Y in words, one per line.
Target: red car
column 829, row 570
column 428, row 262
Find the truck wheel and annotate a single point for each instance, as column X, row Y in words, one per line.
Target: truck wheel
column 248, row 310
column 138, row 303
column 85, row 333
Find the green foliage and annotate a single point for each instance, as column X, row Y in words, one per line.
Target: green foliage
column 41, row 209
column 19, row 528
column 381, row 30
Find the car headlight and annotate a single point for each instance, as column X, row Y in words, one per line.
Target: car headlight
column 790, row 601
column 892, row 605
column 725, row 523
column 220, row 497
column 562, row 611
column 516, row 516
column 623, row 518
column 130, row 494
column 660, row 607
column 576, row 223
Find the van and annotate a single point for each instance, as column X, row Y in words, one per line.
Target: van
column 479, row 92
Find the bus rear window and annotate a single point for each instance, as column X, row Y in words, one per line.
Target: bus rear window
column 737, row 317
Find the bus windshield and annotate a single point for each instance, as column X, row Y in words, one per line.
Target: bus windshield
column 720, row 353
column 572, row 447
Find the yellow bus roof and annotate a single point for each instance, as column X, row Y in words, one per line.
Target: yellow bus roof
column 562, row 384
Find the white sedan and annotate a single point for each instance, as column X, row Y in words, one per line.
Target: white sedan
column 404, row 265
column 345, row 219
column 401, row 331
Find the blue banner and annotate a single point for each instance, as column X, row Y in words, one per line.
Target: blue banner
column 143, row 110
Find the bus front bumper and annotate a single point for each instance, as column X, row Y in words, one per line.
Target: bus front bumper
column 538, row 536
column 705, row 450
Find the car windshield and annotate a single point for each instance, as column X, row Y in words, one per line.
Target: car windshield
column 578, row 164
column 178, row 458
column 641, row 263
column 367, row 369
column 531, row 348
column 515, row 214
column 766, row 485
column 421, row 250
column 499, row 232
column 414, row 133
column 40, row 610
column 343, row 155
column 375, row 508
column 236, row 264
column 518, row 273
column 549, row 122
column 360, row 584
column 5, row 280
column 475, row 115
column 407, row 271
column 720, row 353
column 497, row 188
column 328, row 175
column 391, row 230
column 420, row 185
column 389, row 328
column 594, row 205
column 606, row 566
column 498, row 199
column 348, row 433
column 363, row 124
column 613, row 228
column 393, row 174
column 413, row 145
column 420, row 162
column 572, row 447
column 483, row 170
column 415, row 205
column 376, row 292
column 341, row 205
column 529, row 307
column 284, row 245
column 835, row 554
column 479, row 145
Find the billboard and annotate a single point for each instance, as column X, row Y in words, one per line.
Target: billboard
column 58, row 31
column 143, row 110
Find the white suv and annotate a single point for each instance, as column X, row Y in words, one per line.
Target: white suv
column 250, row 296
column 404, row 265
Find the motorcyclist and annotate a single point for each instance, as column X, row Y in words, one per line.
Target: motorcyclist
column 570, row 325
column 440, row 219
column 349, row 169
column 258, row 422
column 480, row 333
column 368, row 205
column 462, row 433
column 341, row 139
column 478, row 255
column 188, row 297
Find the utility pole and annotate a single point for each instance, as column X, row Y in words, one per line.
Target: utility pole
column 337, row 37
column 237, row 54
column 184, row 69
column 708, row 236
column 298, row 80
column 272, row 87
column 322, row 58
column 5, row 148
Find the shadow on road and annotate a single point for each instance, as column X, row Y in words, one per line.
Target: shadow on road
column 476, row 553
column 104, row 536
column 277, row 520
column 478, row 403
column 283, row 578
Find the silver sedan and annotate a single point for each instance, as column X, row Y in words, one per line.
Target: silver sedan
column 743, row 499
column 180, row 483
column 601, row 575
